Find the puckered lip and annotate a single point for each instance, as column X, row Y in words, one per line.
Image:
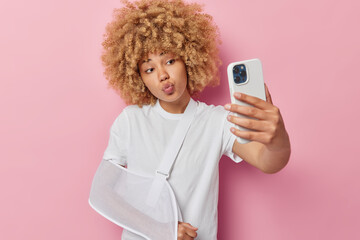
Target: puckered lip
column 167, row 85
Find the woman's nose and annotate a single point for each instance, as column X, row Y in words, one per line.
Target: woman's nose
column 163, row 75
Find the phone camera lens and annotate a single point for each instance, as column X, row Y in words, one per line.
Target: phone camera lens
column 236, row 70
column 240, row 74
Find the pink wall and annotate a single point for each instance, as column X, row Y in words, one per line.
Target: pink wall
column 56, row 112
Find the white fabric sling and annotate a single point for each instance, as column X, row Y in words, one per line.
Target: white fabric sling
column 143, row 205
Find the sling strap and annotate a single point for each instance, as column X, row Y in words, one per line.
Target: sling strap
column 164, row 169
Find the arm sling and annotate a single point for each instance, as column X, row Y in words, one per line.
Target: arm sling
column 143, row 205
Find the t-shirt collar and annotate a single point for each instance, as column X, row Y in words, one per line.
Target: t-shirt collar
column 172, row 116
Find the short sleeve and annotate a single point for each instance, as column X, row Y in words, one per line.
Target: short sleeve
column 117, row 147
column 228, row 141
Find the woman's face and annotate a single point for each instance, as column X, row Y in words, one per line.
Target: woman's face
column 165, row 76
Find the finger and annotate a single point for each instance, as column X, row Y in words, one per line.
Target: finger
column 268, row 96
column 184, row 236
column 261, row 137
column 247, row 111
column 249, row 123
column 188, row 225
column 186, row 231
column 191, row 233
column 255, row 101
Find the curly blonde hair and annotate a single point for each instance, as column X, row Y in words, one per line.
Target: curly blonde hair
column 147, row 26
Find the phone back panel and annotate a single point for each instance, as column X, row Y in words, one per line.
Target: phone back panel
column 254, row 85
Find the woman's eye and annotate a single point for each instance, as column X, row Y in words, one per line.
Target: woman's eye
column 170, row 61
column 149, row 70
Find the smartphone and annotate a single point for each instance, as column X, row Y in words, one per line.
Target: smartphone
column 246, row 77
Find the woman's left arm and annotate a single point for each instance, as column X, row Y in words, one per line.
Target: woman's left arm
column 269, row 149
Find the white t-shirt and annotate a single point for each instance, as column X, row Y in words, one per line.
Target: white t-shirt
column 139, row 136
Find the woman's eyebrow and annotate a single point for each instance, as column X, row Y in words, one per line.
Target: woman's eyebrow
column 148, row 60
column 144, row 61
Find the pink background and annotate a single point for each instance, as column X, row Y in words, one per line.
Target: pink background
column 56, row 111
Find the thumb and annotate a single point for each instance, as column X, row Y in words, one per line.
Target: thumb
column 268, row 96
column 190, row 226
column 193, row 226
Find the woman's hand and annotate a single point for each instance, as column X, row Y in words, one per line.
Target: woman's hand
column 268, row 126
column 270, row 149
column 186, row 231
